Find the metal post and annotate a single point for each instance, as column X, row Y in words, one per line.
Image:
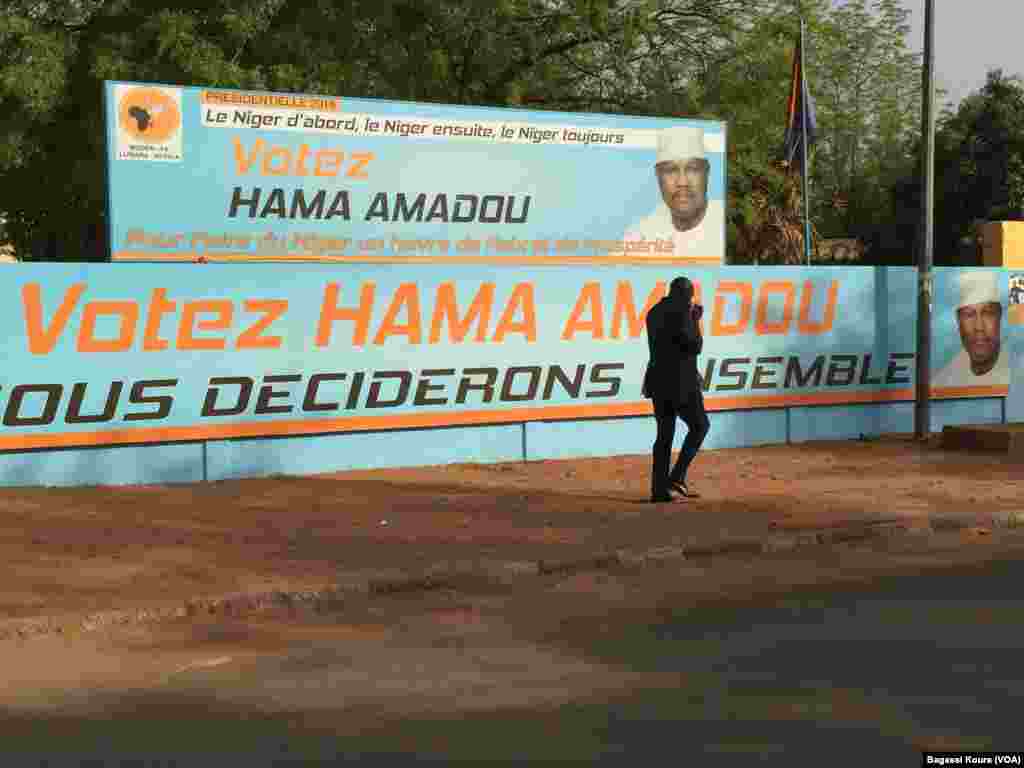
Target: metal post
column 108, row 139
column 803, row 131
column 922, row 411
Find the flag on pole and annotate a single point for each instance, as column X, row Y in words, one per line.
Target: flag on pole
column 800, row 112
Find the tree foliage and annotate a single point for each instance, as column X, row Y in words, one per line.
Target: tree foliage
column 979, row 160
column 866, row 84
column 748, row 85
column 615, row 55
column 870, row 108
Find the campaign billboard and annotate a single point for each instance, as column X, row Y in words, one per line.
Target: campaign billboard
column 100, row 354
column 215, row 174
column 971, row 341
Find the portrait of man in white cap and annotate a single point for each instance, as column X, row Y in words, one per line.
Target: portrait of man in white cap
column 979, row 314
column 684, row 215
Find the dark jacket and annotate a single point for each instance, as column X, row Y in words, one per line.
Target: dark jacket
column 673, row 341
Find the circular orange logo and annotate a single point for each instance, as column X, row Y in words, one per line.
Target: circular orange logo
column 149, row 114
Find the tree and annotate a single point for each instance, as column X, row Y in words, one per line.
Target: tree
column 979, row 161
column 869, row 107
column 613, row 55
column 866, row 86
column 725, row 59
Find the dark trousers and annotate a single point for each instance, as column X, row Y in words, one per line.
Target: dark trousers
column 691, row 412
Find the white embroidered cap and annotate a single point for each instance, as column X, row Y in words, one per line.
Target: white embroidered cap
column 680, row 143
column 978, row 288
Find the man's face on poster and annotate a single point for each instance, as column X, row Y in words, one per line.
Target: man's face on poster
column 979, row 332
column 684, row 185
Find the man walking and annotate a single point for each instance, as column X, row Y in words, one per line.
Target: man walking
column 673, row 385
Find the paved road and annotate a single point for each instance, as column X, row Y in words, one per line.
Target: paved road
column 629, row 672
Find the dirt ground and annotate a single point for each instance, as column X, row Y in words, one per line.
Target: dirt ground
column 729, row 653
column 75, row 553
column 72, row 551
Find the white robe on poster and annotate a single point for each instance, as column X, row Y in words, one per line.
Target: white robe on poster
column 958, row 373
column 705, row 241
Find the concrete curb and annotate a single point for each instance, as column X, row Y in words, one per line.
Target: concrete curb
column 449, row 575
column 1001, row 520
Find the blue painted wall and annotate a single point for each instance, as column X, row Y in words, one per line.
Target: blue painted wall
column 229, row 459
column 215, row 458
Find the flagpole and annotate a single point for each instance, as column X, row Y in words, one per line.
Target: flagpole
column 803, row 132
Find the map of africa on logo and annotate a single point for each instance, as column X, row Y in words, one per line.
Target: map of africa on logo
column 149, row 123
column 149, row 114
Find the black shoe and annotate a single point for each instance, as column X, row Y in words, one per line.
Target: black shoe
column 663, row 498
column 680, row 487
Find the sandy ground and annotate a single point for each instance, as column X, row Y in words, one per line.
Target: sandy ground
column 479, row 648
column 70, row 551
column 885, row 637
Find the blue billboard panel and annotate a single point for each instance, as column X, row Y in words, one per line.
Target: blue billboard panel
column 971, row 340
column 135, row 353
column 208, row 174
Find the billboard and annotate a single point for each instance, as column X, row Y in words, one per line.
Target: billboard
column 101, row 354
column 212, row 174
column 971, row 343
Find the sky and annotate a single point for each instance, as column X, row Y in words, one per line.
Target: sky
column 971, row 37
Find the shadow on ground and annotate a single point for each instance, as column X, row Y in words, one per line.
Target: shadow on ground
column 816, row 676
